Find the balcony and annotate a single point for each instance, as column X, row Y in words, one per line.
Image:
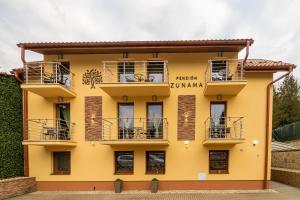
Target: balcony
column 134, row 131
column 48, row 79
column 135, row 78
column 223, row 131
column 224, row 77
column 49, row 132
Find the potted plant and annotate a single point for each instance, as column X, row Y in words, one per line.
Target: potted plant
column 154, row 185
column 118, row 185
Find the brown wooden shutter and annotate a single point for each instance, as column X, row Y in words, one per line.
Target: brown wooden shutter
column 186, row 117
column 93, row 118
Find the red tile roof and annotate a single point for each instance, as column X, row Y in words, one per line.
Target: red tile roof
column 138, row 46
column 262, row 64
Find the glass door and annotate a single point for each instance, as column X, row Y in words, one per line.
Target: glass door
column 126, row 72
column 218, row 119
column 155, row 71
column 154, row 120
column 63, row 121
column 126, row 120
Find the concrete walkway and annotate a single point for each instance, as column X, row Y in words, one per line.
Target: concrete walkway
column 279, row 191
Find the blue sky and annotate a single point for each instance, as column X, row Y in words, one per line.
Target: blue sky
column 273, row 24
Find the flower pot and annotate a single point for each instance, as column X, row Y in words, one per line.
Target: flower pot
column 154, row 186
column 118, row 186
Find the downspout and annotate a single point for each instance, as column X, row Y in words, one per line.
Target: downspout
column 266, row 183
column 247, row 52
column 16, row 74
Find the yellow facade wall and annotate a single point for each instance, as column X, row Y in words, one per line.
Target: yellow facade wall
column 93, row 161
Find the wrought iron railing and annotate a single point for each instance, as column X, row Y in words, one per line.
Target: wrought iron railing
column 48, row 73
column 224, row 128
column 224, row 70
column 134, row 129
column 49, row 130
column 135, row 72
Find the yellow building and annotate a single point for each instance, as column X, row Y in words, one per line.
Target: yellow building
column 188, row 113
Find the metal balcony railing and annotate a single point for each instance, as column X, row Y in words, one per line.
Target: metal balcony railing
column 135, row 72
column 224, row 128
column 224, row 70
column 49, row 130
column 134, row 129
column 48, row 73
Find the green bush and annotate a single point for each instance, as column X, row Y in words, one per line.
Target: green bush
column 11, row 149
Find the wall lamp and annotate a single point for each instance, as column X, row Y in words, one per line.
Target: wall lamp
column 255, row 142
column 186, row 143
column 154, row 98
column 125, row 98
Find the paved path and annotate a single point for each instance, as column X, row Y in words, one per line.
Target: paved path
column 281, row 191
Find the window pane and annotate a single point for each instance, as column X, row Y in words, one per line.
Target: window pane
column 155, row 162
column 126, row 71
column 155, row 72
column 155, row 123
column 124, row 162
column 218, row 161
column 217, row 113
column 219, row 70
column 126, row 120
column 61, row 162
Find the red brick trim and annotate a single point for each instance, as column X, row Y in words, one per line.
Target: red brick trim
column 145, row 185
column 93, row 118
column 186, row 117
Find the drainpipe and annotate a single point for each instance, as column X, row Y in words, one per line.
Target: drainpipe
column 247, row 52
column 16, row 74
column 266, row 183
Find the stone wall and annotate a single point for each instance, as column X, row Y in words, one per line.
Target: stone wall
column 286, row 176
column 16, row 186
column 286, row 159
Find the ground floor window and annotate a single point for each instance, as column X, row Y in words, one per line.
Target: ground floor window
column 218, row 161
column 124, row 162
column 155, row 162
column 62, row 162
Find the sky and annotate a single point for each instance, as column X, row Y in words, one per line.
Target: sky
column 273, row 24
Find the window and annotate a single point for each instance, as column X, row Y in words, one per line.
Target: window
column 126, row 120
column 155, row 71
column 155, row 120
column 126, row 72
column 124, row 162
column 61, row 162
column 155, row 162
column 218, row 161
column 219, row 70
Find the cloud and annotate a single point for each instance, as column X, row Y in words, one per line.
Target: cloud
column 273, row 24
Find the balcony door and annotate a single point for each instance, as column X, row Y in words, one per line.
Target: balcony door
column 217, row 119
column 126, row 72
column 219, row 70
column 63, row 120
column 154, row 120
column 126, row 120
column 155, row 71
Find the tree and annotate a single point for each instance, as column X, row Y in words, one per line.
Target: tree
column 286, row 101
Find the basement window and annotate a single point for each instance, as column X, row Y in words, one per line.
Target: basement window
column 155, row 162
column 123, row 162
column 62, row 162
column 218, row 161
